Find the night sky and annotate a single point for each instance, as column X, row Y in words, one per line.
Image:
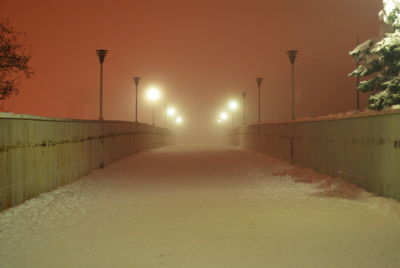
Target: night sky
column 199, row 53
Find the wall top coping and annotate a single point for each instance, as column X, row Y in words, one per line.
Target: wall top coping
column 12, row 116
column 339, row 116
column 41, row 118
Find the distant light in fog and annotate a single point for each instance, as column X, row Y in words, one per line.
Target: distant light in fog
column 179, row 120
column 390, row 5
column 233, row 105
column 219, row 121
column 223, row 116
column 153, row 94
column 171, row 111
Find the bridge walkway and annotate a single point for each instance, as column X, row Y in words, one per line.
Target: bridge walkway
column 202, row 206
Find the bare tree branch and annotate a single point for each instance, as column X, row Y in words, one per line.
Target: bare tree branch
column 14, row 59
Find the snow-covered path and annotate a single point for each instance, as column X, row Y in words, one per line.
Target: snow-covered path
column 196, row 206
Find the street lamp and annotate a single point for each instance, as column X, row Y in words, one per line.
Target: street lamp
column 153, row 94
column 179, row 120
column 389, row 6
column 259, row 82
column 223, row 116
column 233, row 106
column 292, row 54
column 244, row 107
column 101, row 53
column 136, row 80
column 170, row 111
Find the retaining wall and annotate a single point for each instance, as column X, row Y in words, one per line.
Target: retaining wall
column 39, row 154
column 363, row 149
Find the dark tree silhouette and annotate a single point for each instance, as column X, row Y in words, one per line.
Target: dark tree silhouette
column 14, row 59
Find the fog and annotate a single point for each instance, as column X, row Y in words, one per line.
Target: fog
column 199, row 53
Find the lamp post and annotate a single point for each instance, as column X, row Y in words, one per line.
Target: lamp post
column 170, row 111
column 223, row 116
column 153, row 94
column 101, row 53
column 244, row 107
column 136, row 80
column 259, row 82
column 292, row 54
column 179, row 120
column 233, row 106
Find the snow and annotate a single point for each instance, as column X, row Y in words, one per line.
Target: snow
column 352, row 114
column 362, row 48
column 37, row 117
column 25, row 116
column 203, row 206
column 342, row 115
column 388, row 7
column 396, row 107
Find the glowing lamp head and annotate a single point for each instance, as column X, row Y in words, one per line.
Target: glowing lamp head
column 179, row 120
column 171, row 111
column 153, row 94
column 223, row 116
column 390, row 5
column 233, row 105
column 389, row 11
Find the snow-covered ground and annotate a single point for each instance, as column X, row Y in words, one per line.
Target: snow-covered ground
column 202, row 206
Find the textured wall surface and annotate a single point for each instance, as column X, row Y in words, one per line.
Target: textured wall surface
column 39, row 154
column 364, row 149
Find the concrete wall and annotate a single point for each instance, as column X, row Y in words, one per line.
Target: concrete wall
column 364, row 149
column 40, row 154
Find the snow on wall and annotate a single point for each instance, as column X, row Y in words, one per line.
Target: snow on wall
column 38, row 154
column 364, row 150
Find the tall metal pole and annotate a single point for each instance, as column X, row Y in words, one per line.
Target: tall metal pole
column 153, row 115
column 292, row 54
column 101, row 53
column 101, row 92
column 136, row 80
column 293, row 96
column 166, row 116
column 244, row 107
column 259, row 82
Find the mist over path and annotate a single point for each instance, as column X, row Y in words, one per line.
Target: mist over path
column 202, row 206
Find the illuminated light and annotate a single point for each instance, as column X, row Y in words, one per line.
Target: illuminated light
column 233, row 105
column 171, row 111
column 219, row 121
column 389, row 6
column 223, row 116
column 179, row 120
column 153, row 94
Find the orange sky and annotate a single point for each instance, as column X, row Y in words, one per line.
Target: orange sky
column 199, row 52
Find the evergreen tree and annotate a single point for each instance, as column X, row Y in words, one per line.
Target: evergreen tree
column 379, row 61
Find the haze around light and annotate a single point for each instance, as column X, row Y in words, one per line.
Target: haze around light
column 201, row 53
